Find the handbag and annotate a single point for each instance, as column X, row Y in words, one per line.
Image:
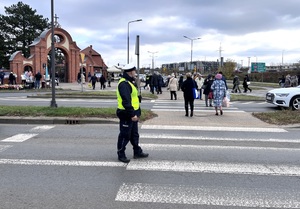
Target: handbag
column 248, row 83
column 203, row 86
column 210, row 95
column 195, row 92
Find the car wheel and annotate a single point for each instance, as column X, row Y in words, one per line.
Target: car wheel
column 295, row 103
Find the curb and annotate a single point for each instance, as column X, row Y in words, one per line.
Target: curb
column 60, row 121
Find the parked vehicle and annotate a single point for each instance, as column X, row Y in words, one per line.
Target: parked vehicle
column 285, row 97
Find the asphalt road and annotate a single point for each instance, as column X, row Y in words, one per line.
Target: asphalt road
column 75, row 166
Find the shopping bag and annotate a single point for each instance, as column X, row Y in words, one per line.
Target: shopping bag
column 225, row 102
column 90, row 85
column 228, row 96
column 196, row 93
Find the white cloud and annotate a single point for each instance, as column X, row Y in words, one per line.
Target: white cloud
column 265, row 30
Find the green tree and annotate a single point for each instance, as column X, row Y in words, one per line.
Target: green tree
column 228, row 68
column 19, row 27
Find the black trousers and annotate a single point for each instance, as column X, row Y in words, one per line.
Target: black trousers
column 173, row 93
column 188, row 102
column 128, row 132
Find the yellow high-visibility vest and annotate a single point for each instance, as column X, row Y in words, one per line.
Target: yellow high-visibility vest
column 134, row 96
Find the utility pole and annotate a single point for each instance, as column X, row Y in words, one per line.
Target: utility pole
column 220, row 54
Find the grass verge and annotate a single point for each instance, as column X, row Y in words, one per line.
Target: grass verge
column 283, row 117
column 241, row 97
column 70, row 112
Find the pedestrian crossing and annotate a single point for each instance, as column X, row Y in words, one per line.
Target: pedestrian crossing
column 234, row 163
column 178, row 106
column 209, row 196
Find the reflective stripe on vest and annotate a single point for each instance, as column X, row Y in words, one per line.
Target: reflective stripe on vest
column 134, row 96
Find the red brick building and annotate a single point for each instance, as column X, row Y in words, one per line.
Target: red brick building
column 70, row 64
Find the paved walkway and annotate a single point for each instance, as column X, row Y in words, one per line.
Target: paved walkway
column 229, row 119
column 203, row 118
column 177, row 118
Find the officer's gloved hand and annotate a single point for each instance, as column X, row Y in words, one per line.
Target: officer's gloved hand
column 140, row 98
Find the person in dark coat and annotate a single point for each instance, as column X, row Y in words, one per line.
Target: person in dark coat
column 154, row 83
column 94, row 80
column 188, row 95
column 207, row 83
column 102, row 82
column 246, row 84
column 180, row 82
column 160, row 84
column 11, row 78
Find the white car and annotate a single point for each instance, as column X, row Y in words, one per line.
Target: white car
column 285, row 97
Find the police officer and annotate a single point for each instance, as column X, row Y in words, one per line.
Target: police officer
column 128, row 112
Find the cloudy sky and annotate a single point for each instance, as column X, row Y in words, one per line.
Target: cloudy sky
column 264, row 30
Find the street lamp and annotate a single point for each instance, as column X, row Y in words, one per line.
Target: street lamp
column 53, row 102
column 128, row 37
column 192, row 40
column 152, row 58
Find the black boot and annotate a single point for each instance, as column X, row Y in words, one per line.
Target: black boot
column 186, row 111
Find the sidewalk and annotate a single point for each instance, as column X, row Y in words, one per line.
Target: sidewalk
column 203, row 118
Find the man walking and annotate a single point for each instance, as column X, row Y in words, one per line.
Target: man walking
column 128, row 112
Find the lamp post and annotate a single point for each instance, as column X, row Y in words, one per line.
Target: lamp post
column 249, row 70
column 53, row 102
column 192, row 40
column 128, row 37
column 152, row 58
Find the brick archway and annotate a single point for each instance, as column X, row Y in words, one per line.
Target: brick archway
column 39, row 51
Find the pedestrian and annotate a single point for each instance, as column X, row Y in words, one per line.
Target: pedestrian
column 109, row 79
column 128, row 112
column 206, row 91
column 94, row 80
column 282, row 81
column 160, row 84
column 188, row 94
column 89, row 77
column 224, row 79
column 37, row 82
column 154, row 83
column 11, row 78
column 78, row 77
column 102, row 82
column 199, row 80
column 180, row 81
column 236, row 85
column 2, row 74
column 219, row 91
column 246, row 83
column 173, row 86
column 147, row 81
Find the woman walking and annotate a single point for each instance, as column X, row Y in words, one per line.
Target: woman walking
column 207, row 84
column 246, row 83
column 219, row 92
column 173, row 86
column 187, row 88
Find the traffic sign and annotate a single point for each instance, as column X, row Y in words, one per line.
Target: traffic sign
column 258, row 67
column 82, row 56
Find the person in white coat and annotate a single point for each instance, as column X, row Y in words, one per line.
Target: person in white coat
column 199, row 80
column 173, row 86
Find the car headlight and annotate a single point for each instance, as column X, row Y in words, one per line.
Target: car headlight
column 282, row 94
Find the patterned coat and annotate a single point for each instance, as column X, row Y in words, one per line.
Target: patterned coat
column 219, row 92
